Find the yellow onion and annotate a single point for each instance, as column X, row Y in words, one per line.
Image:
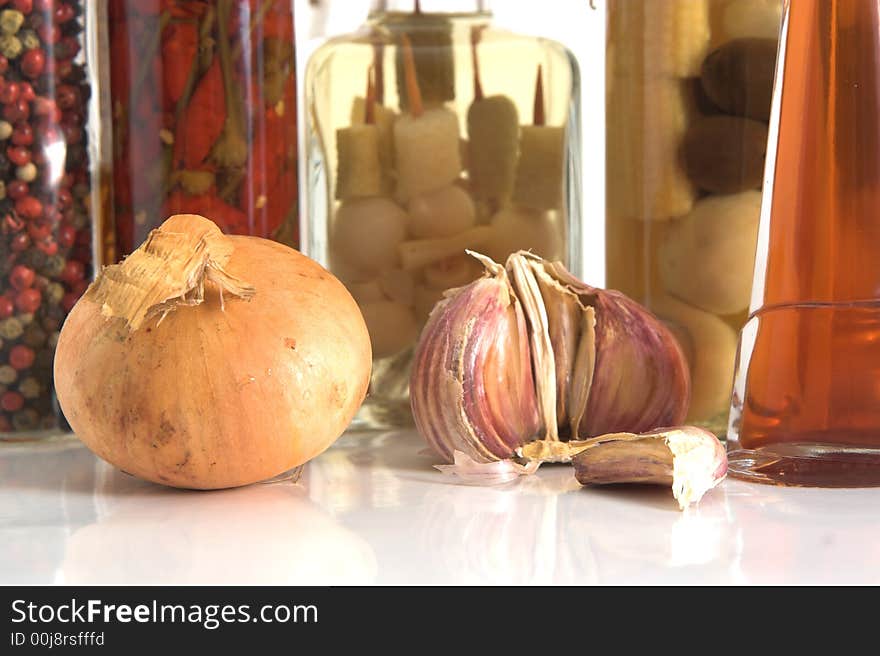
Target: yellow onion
column 211, row 361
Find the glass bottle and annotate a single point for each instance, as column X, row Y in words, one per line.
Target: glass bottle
column 431, row 131
column 689, row 86
column 806, row 405
column 203, row 99
column 48, row 131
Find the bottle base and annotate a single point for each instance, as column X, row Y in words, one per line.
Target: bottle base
column 807, row 465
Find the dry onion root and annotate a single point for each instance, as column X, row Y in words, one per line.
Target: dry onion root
column 210, row 361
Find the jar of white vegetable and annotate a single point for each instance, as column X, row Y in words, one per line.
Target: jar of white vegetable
column 689, row 85
column 431, row 132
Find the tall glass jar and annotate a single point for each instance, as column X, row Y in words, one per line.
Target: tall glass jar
column 429, row 132
column 203, row 99
column 689, row 85
column 806, row 404
column 48, row 134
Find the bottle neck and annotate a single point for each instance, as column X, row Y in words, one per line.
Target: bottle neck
column 430, row 6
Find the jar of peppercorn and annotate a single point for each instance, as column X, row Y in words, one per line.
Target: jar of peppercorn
column 203, row 103
column 46, row 200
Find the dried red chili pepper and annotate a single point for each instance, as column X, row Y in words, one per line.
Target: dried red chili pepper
column 203, row 120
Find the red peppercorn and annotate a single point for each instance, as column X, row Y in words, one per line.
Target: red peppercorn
column 24, row 6
column 18, row 155
column 27, row 90
column 68, row 47
column 21, row 277
column 66, row 95
column 80, row 287
column 62, row 13
column 11, row 401
column 39, row 230
column 16, row 189
column 23, row 135
column 28, row 300
column 21, row 356
column 63, row 68
column 4, row 64
column 73, row 272
column 48, row 246
column 72, row 134
column 20, row 242
column 64, row 198
column 9, row 92
column 17, row 111
column 29, row 207
column 44, row 106
column 52, row 216
column 68, row 301
column 66, row 235
column 6, row 307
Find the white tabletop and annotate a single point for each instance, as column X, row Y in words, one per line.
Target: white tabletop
column 372, row 510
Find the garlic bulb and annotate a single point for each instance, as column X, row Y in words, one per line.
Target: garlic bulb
column 528, row 352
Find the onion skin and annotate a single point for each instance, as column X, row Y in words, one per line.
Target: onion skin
column 213, row 397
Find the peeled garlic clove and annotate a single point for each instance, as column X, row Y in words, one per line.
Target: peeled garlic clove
column 707, row 256
column 690, row 459
column 471, row 388
column 710, row 346
column 441, row 213
column 366, row 234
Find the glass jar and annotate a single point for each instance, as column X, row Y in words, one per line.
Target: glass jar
column 203, row 101
column 48, row 130
column 430, row 131
column 689, row 85
column 806, row 404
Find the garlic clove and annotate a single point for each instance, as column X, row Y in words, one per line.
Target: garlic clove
column 543, row 357
column 689, row 459
column 471, row 388
column 571, row 326
column 640, row 377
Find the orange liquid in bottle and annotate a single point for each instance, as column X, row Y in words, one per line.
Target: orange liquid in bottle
column 807, row 396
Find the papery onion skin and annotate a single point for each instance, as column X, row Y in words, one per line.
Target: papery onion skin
column 213, row 397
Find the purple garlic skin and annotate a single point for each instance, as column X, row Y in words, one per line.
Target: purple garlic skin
column 471, row 388
column 641, row 378
column 689, row 459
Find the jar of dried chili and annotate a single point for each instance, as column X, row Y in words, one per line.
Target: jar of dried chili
column 47, row 135
column 203, row 106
